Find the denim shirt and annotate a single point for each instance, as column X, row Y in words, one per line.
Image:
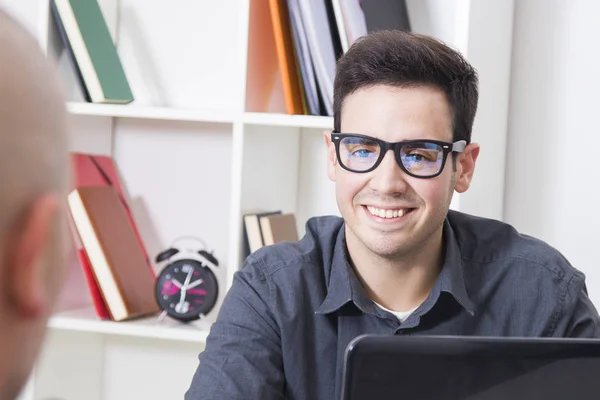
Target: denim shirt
column 293, row 308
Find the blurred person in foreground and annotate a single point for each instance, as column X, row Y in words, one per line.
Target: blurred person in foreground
column 34, row 179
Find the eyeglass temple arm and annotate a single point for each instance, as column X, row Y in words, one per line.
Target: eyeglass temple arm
column 459, row 146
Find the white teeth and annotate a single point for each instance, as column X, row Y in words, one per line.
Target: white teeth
column 379, row 212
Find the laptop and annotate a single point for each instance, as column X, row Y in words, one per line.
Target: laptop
column 471, row 368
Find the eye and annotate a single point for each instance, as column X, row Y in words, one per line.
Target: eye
column 414, row 157
column 362, row 153
column 421, row 155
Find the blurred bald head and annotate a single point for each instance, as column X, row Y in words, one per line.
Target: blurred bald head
column 33, row 186
column 32, row 123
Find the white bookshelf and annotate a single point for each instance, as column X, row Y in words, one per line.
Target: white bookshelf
column 148, row 112
column 84, row 320
column 207, row 138
column 284, row 120
column 194, row 115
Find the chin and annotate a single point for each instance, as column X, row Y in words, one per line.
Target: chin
column 386, row 244
column 388, row 247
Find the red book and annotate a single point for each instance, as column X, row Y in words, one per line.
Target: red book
column 97, row 299
column 94, row 170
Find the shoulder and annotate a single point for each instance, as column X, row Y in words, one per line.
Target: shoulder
column 313, row 250
column 489, row 241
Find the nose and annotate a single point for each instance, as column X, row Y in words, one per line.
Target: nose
column 388, row 178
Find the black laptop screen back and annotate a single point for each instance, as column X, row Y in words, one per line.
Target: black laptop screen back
column 474, row 369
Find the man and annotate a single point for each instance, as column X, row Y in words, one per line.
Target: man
column 399, row 262
column 33, row 187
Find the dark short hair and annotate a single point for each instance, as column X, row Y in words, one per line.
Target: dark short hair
column 403, row 59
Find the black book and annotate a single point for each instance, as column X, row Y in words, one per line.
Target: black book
column 386, row 14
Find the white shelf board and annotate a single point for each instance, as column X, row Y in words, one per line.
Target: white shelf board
column 85, row 320
column 300, row 121
column 218, row 116
column 145, row 112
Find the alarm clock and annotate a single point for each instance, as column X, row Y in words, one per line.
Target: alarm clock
column 186, row 289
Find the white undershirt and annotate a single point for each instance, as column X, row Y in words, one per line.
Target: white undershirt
column 401, row 315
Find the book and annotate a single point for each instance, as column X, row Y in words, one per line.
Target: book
column 385, row 15
column 96, row 170
column 92, row 52
column 264, row 83
column 278, row 228
column 118, row 263
column 336, row 37
column 339, row 22
column 353, row 20
column 286, row 57
column 253, row 236
column 320, row 44
column 303, row 58
column 81, row 258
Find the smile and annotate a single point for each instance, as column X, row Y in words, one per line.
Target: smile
column 388, row 213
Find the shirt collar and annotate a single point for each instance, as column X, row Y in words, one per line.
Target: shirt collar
column 451, row 278
column 343, row 286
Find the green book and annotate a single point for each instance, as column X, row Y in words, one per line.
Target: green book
column 92, row 51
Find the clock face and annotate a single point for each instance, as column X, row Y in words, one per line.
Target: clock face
column 185, row 289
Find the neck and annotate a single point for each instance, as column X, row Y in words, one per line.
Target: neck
column 398, row 283
column 18, row 351
column 8, row 388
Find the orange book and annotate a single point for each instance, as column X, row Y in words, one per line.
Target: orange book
column 288, row 66
column 117, row 262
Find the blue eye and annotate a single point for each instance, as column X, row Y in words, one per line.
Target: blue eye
column 362, row 153
column 414, row 158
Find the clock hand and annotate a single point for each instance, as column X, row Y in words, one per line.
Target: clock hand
column 185, row 287
column 176, row 283
column 182, row 295
column 188, row 278
column 195, row 283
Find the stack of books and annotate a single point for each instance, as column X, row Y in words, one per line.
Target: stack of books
column 115, row 264
column 311, row 35
column 265, row 228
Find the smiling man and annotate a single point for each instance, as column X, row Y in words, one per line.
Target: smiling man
column 398, row 262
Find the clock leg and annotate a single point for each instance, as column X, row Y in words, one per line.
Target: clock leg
column 162, row 316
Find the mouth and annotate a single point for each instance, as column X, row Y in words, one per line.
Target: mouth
column 388, row 213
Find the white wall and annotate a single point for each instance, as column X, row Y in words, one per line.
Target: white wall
column 25, row 11
column 478, row 29
column 553, row 168
column 491, row 24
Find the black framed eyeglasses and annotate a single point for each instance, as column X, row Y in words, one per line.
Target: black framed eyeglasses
column 419, row 158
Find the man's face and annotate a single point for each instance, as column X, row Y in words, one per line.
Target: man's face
column 394, row 114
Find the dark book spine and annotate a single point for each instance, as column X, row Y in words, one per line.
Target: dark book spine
column 333, row 29
column 69, row 49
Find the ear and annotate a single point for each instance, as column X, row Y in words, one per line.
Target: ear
column 465, row 166
column 331, row 156
column 26, row 285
